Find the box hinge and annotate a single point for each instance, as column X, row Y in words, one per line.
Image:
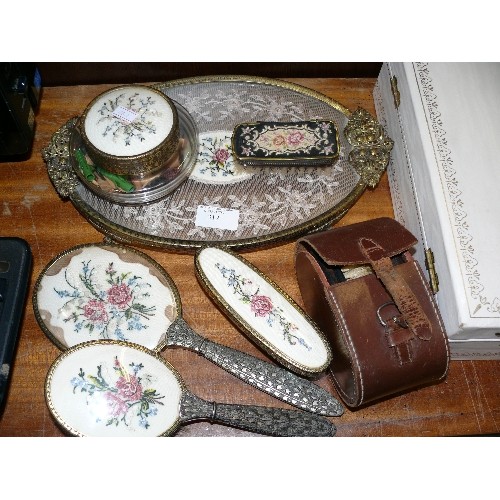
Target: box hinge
column 395, row 92
column 431, row 269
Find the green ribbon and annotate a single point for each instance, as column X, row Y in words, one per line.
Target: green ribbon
column 86, row 169
column 89, row 173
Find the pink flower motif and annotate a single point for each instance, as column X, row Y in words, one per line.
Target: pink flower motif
column 120, row 295
column 295, row 138
column 117, row 406
column 221, row 155
column 261, row 305
column 95, row 311
column 129, row 389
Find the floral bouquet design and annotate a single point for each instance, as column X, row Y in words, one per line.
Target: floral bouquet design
column 216, row 156
column 141, row 108
column 262, row 305
column 109, row 306
column 126, row 399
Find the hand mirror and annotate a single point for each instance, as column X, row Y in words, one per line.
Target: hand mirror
column 112, row 388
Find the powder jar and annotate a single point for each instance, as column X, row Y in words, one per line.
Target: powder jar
column 130, row 130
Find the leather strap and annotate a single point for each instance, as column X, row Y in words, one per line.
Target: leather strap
column 401, row 293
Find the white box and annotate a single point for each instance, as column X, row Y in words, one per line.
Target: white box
column 444, row 177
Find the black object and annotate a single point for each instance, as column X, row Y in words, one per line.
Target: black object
column 281, row 143
column 92, row 73
column 15, row 270
column 20, row 86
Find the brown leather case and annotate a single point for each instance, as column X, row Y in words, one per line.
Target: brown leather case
column 368, row 295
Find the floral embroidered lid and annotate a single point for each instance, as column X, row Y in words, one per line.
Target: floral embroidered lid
column 103, row 291
column 299, row 143
column 130, row 129
column 263, row 311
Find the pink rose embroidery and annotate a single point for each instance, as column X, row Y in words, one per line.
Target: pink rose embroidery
column 127, row 401
column 117, row 406
column 129, row 388
column 95, row 311
column 295, row 138
column 119, row 295
column 221, row 155
column 261, row 305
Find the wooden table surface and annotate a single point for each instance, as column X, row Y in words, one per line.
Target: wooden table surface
column 466, row 403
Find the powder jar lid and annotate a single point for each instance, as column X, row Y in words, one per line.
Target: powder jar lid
column 131, row 129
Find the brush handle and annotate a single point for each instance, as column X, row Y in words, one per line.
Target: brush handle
column 271, row 421
column 267, row 377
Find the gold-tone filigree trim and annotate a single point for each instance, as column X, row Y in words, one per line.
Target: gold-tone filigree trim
column 56, row 157
column 371, row 146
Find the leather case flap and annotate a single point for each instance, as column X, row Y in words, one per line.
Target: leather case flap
column 348, row 248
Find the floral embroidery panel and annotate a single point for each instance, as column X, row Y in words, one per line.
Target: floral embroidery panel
column 269, row 315
column 128, row 120
column 137, row 126
column 262, row 306
column 100, row 296
column 284, row 140
column 215, row 163
column 114, row 390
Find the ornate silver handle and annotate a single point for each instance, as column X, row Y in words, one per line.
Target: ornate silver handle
column 271, row 421
column 272, row 379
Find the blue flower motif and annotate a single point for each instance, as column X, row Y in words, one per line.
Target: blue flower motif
column 135, row 324
column 302, row 342
column 136, row 368
column 119, row 334
column 77, row 382
column 143, row 422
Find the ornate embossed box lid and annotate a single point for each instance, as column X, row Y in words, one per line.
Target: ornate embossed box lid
column 444, row 180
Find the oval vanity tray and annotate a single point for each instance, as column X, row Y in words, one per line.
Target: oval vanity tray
column 255, row 206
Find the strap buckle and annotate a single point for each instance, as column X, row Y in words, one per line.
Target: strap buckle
column 398, row 320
